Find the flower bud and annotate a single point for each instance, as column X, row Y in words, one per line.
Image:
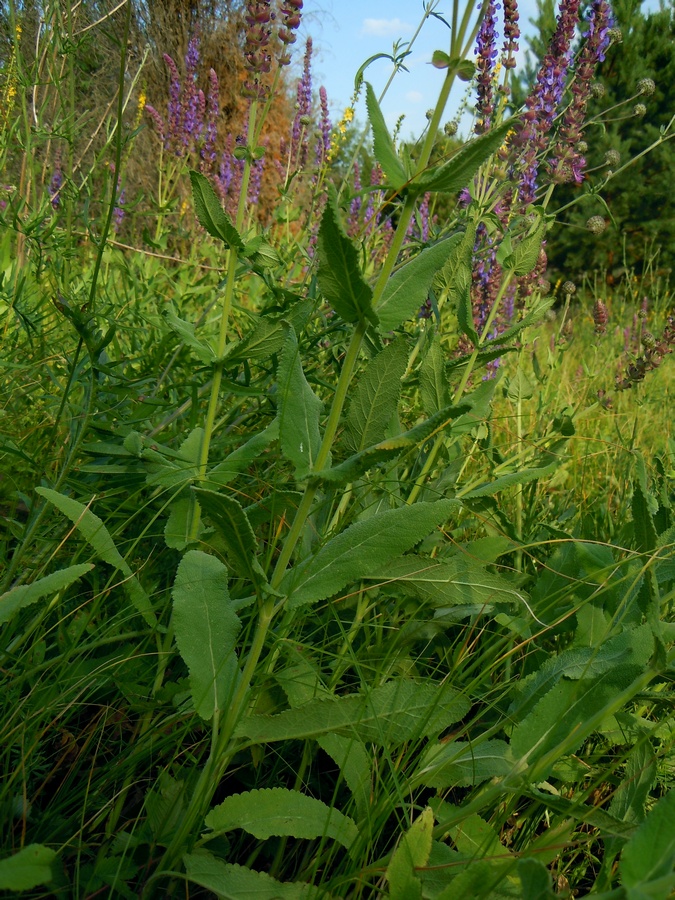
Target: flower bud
column 648, row 340
column 615, row 36
column 600, row 317
column 597, row 90
column 569, row 288
column 612, row 158
column 639, row 110
column 596, row 224
column 429, row 113
column 581, row 147
column 450, row 128
column 646, row 86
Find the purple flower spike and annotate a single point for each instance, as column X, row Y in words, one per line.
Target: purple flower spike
column 158, row 122
column 511, row 33
column 568, row 163
column 486, row 48
column 56, row 184
column 175, row 113
column 544, row 100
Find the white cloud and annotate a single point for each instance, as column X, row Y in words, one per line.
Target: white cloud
column 414, row 96
column 385, row 28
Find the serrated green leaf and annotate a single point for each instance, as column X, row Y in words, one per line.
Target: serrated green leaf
column 563, row 717
column 360, row 549
column 458, row 172
column 299, row 410
column 505, row 481
column 211, row 214
column 279, row 812
column 28, row 868
column 241, row 458
column 98, row 537
column 462, row 764
column 407, row 289
column 355, row 765
column 26, row 594
column 376, row 396
column 383, row 145
column 412, row 852
column 229, row 881
column 433, row 383
column 457, row 273
column 526, row 251
column 355, row 466
column 268, row 335
column 535, row 880
column 650, row 854
column 233, row 525
column 458, row 581
column 339, row 275
column 261, row 253
column 206, row 629
column 394, row 713
column 535, row 315
column 630, row 797
column 186, row 332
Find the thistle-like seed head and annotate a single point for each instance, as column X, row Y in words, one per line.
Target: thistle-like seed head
column 450, row 128
column 596, row 224
column 612, row 158
column 646, row 87
column 639, row 110
column 569, row 288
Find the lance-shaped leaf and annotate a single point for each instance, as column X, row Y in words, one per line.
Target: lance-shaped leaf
column 362, row 548
column 229, row 881
column 376, row 396
column 456, row 174
column 407, row 289
column 186, row 332
column 433, row 383
column 339, row 275
column 279, row 812
column 98, row 537
column 445, row 584
column 355, row 764
column 526, row 251
column 26, row 594
column 648, row 859
column 463, row 764
column 412, row 853
column 383, row 145
column 206, row 629
column 535, row 315
column 234, row 527
column 211, row 214
column 243, row 456
column 457, row 276
column 400, row 710
column 268, row 335
column 299, row 410
column 391, row 448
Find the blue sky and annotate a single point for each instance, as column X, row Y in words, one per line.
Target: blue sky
column 347, row 32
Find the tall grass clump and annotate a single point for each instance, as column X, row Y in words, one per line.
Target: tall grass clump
column 338, row 556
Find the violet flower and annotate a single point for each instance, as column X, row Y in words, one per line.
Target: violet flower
column 56, row 183
column 257, row 59
column 302, row 120
column 174, row 108
column 486, row 49
column 544, row 100
column 568, row 162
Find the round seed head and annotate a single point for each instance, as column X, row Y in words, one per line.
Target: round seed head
column 597, row 90
column 639, row 110
column 646, row 87
column 596, row 224
column 569, row 288
column 612, row 158
column 450, row 128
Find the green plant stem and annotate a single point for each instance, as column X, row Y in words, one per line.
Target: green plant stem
column 440, row 440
